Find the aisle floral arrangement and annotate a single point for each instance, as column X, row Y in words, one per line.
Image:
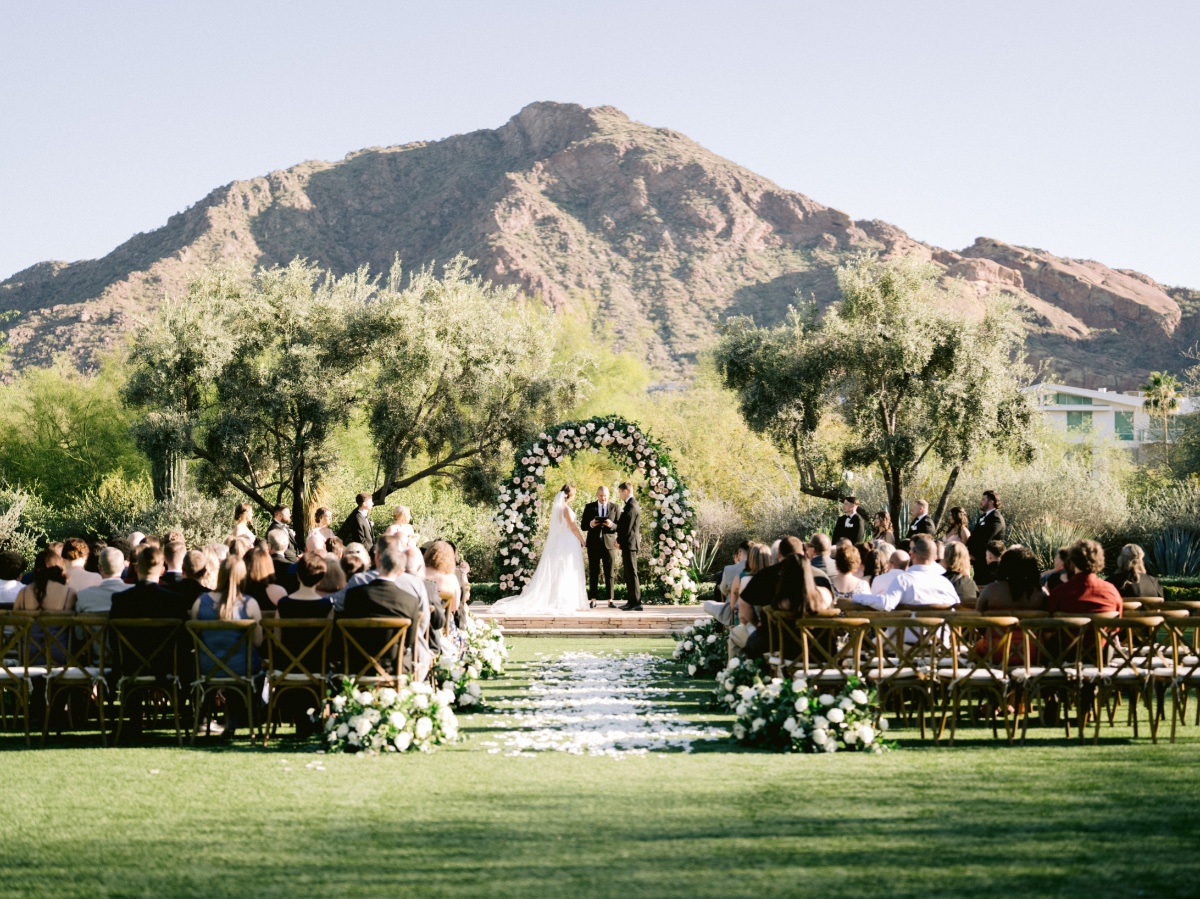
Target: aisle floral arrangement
column 736, row 674
column 671, row 560
column 703, row 648
column 791, row 716
column 483, row 656
column 373, row 721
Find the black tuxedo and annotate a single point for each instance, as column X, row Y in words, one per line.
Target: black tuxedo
column 381, row 599
column 357, row 529
column 989, row 527
column 277, row 525
column 169, row 579
column 189, row 589
column 850, row 527
column 629, row 538
column 601, row 546
column 283, row 574
column 922, row 525
column 146, row 599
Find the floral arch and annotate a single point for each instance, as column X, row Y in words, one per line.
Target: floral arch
column 519, row 511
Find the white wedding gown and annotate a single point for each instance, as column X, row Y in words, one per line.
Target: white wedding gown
column 557, row 586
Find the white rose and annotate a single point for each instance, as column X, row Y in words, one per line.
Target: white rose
column 354, row 739
column 739, row 732
column 363, row 726
column 830, row 746
column 691, row 670
column 687, row 645
column 859, row 697
column 396, row 719
column 836, row 715
column 801, row 703
column 424, row 728
column 339, row 701
column 883, row 724
column 712, row 638
column 733, row 663
column 741, row 709
column 846, row 703
column 790, row 725
column 819, row 736
column 826, row 699
column 403, row 740
column 820, row 722
column 799, row 685
column 757, row 724
column 867, row 734
column 421, row 701
column 342, row 730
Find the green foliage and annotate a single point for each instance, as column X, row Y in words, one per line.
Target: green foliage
column 1044, row 536
column 24, row 522
column 1162, row 401
column 908, row 382
column 1174, row 552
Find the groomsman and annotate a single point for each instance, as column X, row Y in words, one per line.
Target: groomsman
column 629, row 538
column 921, row 522
column 852, row 525
column 989, row 527
column 600, row 526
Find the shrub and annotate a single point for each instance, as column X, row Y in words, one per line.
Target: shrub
column 1043, row 537
column 702, row 649
column 1174, row 552
column 24, row 522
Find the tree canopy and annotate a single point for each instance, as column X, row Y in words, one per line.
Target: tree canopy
column 884, row 379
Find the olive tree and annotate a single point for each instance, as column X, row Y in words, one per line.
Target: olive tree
column 885, row 379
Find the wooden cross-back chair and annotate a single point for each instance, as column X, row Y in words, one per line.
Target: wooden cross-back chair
column 1055, row 651
column 16, row 676
column 1185, row 673
column 1128, row 649
column 297, row 661
column 232, row 670
column 824, row 651
column 78, row 646
column 981, row 655
column 907, row 654
column 145, row 655
column 370, row 646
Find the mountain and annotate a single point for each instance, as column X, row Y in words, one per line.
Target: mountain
column 583, row 205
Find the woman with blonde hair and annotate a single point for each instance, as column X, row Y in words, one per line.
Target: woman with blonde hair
column 957, row 562
column 440, row 567
column 1131, row 579
column 402, row 522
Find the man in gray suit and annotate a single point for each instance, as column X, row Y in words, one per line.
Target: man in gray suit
column 97, row 600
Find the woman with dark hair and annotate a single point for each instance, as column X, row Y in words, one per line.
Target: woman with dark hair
column 260, row 580
column 1018, row 584
column 883, row 528
column 846, row 560
column 242, row 516
column 956, row 529
column 48, row 593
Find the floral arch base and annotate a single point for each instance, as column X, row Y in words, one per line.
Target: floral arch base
column 519, row 511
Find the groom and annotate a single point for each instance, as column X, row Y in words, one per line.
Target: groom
column 629, row 538
column 600, row 525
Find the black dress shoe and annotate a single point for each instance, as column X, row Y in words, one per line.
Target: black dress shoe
column 629, row 607
column 591, row 603
column 611, row 604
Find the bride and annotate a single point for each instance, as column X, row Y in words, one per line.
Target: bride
column 557, row 586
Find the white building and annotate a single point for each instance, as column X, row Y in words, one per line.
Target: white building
column 1102, row 415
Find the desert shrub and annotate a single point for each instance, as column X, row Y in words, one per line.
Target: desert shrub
column 113, row 508
column 1174, row 552
column 719, row 529
column 201, row 519
column 778, row 515
column 1044, row 536
column 24, row 522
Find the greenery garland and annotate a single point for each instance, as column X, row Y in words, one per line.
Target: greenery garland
column 519, row 510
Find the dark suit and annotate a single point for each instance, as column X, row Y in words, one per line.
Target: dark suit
column 850, row 527
column 601, row 546
column 357, row 529
column 923, row 525
column 170, row 579
column 189, row 590
column 284, row 576
column 277, row 525
column 381, row 599
column 989, row 527
column 148, row 600
column 629, row 538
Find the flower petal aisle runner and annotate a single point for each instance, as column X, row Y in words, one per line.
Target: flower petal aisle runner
column 597, row 704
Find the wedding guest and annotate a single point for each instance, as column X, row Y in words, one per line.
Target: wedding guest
column 1131, row 579
column 135, row 540
column 1085, row 591
column 819, row 554
column 321, row 534
column 219, row 552
column 721, row 608
column 1058, row 574
column 883, row 528
column 353, row 563
column 439, row 566
column 851, row 525
column 957, row 530
column 758, row 559
column 336, row 547
column 229, row 603
column 383, row 598
column 281, row 523
column 12, row 566
column 430, row 641
column 243, row 514
column 199, row 575
column 921, row 522
column 259, row 580
column 306, row 601
column 173, row 553
column 277, row 542
column 75, row 553
column 97, row 600
column 147, row 598
column 239, row 546
column 335, row 579
column 989, row 526
column 402, row 519
column 991, row 559
column 1018, row 584
column 897, row 563
column 789, row 585
column 844, row 582
column 462, row 571
column 48, row 591
column 357, row 527
column 957, row 562
column 923, row 583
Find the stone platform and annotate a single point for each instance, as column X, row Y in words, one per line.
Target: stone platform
column 652, row 621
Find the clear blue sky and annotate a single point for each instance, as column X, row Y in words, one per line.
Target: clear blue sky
column 1074, row 127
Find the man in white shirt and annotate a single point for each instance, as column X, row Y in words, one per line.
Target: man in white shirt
column 897, row 565
column 923, row 584
column 97, row 600
column 12, row 566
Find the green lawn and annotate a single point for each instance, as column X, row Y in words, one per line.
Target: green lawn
column 981, row 819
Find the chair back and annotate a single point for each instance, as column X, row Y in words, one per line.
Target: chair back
column 1058, row 646
column 232, row 659
column 373, row 648
column 981, row 646
column 14, row 647
column 76, row 643
column 908, row 648
column 297, row 649
column 816, row 648
column 145, row 647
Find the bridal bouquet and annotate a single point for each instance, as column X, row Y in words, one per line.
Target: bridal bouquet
column 483, row 655
column 703, row 648
column 790, row 716
column 387, row 720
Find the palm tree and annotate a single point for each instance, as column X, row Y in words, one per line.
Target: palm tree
column 1162, row 399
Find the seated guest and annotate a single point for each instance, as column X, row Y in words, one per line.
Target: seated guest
column 440, row 567
column 1058, row 574
column 1131, row 579
column 354, row 560
column 365, row 576
column 199, row 575
column 788, row 585
column 277, row 542
column 956, row 559
column 844, row 581
column 12, row 566
column 922, row 584
column 229, row 603
column 135, row 540
column 97, row 600
column 897, row 562
column 383, row 598
column 820, row 554
column 336, row 547
column 173, row 553
column 48, row 591
column 306, row 601
column 1085, row 591
column 303, row 602
column 721, row 609
column 75, row 553
column 1018, row 584
column 430, row 641
column 147, row 598
column 748, row 620
column 883, row 528
column 991, row 554
column 259, row 582
column 333, row 584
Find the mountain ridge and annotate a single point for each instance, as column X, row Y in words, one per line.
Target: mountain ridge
column 566, row 203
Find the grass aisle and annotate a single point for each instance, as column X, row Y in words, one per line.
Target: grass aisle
column 980, row 819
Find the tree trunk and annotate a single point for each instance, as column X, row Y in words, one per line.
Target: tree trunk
column 168, row 472
column 895, row 495
column 299, row 500
column 945, row 500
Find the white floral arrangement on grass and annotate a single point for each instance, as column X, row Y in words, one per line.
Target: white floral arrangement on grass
column 790, row 716
column 483, row 656
column 374, row 721
column 736, row 674
column 703, row 648
column 672, row 560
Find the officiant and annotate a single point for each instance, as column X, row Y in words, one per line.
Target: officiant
column 600, row 525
